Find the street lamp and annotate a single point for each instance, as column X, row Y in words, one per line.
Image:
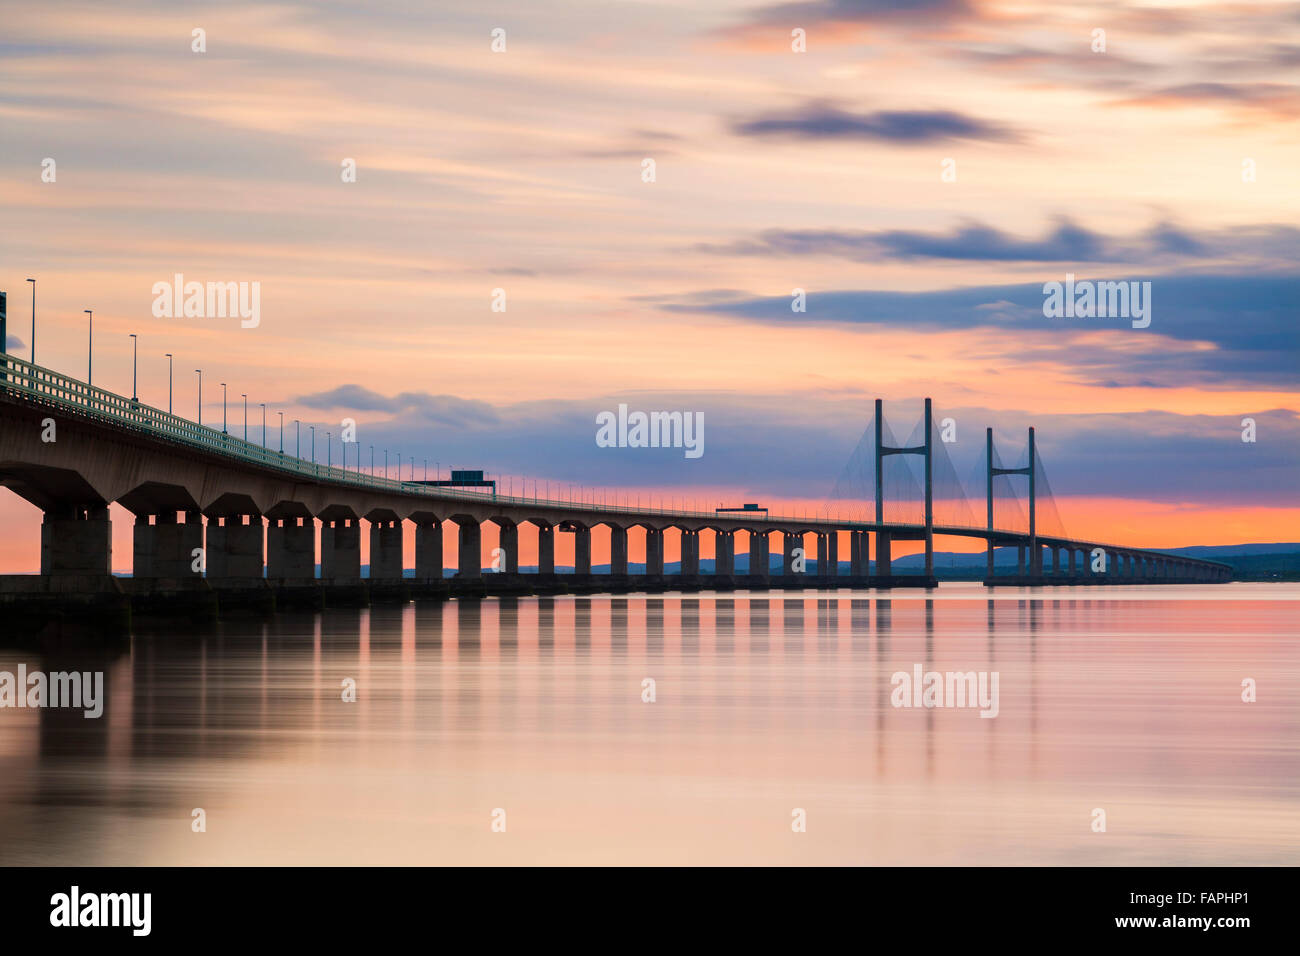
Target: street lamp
column 200, row 371
column 135, row 354
column 329, row 449
column 223, row 408
column 263, row 404
column 169, row 382
column 281, row 414
column 244, row 396
column 313, row 443
column 297, row 440
column 90, row 343
column 33, row 282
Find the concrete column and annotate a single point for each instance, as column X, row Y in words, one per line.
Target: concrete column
column 1020, row 560
column 340, row 550
column 690, row 553
column 654, row 553
column 291, row 549
column 582, row 550
column 724, row 553
column 234, row 549
column 988, row 574
column 1073, row 553
column 857, row 554
column 428, row 551
column 509, row 545
column 77, row 541
column 789, row 541
column 386, row 550
column 758, row 555
column 828, row 554
column 617, row 550
column 165, row 549
column 546, row 549
column 883, row 556
column 471, row 550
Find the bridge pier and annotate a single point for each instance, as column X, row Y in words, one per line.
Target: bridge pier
column 545, row 548
column 428, row 549
column 340, row 550
column 884, row 560
column 234, row 547
column 508, row 542
column 858, row 555
column 690, row 563
column 385, row 549
column 654, row 552
column 470, row 557
column 724, row 553
column 1072, row 561
column 1020, row 560
column 581, row 550
column 165, row 548
column 789, row 541
column 828, row 558
column 291, row 549
column 617, row 550
column 759, row 556
column 77, row 539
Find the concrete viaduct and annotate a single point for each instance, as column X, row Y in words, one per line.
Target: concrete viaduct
column 215, row 513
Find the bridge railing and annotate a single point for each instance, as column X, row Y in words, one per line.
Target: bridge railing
column 44, row 386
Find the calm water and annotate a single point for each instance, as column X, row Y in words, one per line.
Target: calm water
column 1124, row 699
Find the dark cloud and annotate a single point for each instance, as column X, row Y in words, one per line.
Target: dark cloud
column 823, row 121
column 1065, row 242
column 1250, row 322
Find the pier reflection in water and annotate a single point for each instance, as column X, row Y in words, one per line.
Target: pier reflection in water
column 1127, row 700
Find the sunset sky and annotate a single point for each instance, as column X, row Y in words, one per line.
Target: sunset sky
column 1172, row 157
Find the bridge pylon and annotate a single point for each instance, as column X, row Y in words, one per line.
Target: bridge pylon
column 1035, row 555
column 925, row 450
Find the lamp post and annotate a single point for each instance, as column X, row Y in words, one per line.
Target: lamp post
column 281, row 414
column 329, row 450
column 263, row 404
column 223, row 408
column 135, row 367
column 33, row 282
column 297, row 439
column 169, row 382
column 244, row 396
column 313, row 443
column 200, row 371
column 90, row 343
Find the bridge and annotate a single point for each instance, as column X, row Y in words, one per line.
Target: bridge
column 218, row 515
